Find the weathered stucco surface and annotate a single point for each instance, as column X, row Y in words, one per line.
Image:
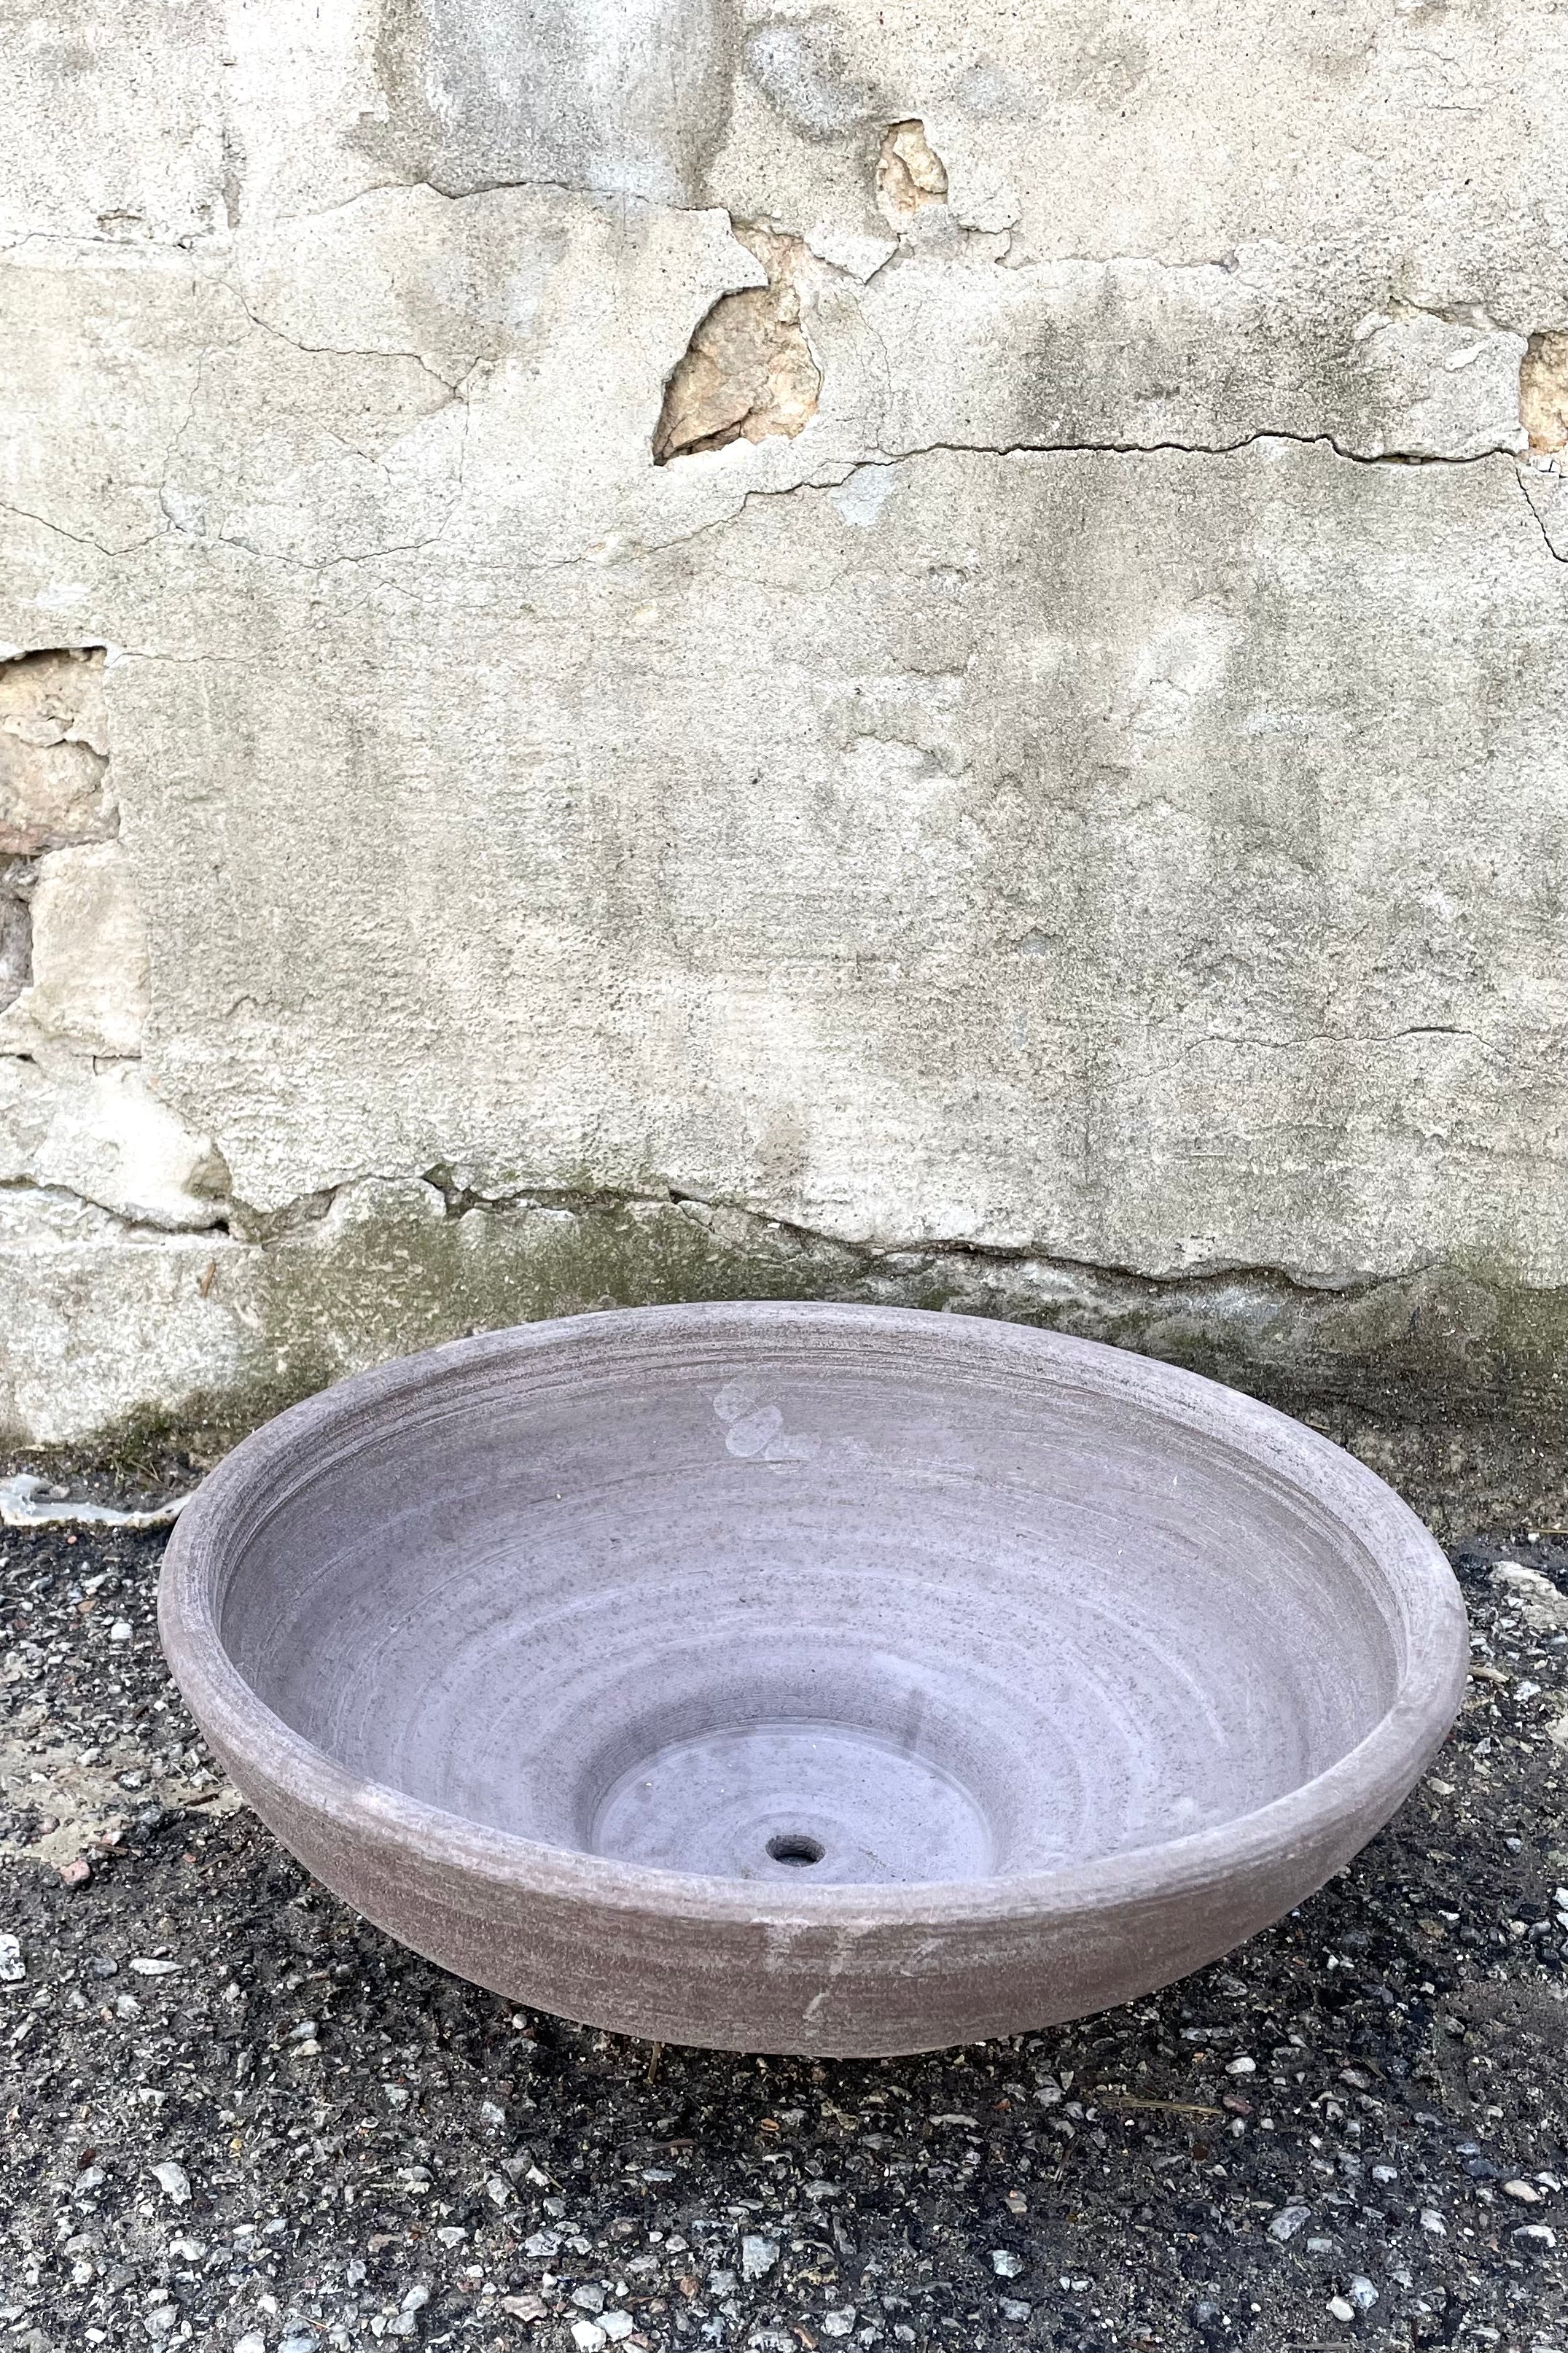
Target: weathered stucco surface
column 661, row 647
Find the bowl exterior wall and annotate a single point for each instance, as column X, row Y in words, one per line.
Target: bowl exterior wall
column 851, row 1990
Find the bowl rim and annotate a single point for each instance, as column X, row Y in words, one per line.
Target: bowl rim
column 1330, row 1814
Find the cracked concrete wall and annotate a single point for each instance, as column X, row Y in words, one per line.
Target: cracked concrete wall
column 936, row 632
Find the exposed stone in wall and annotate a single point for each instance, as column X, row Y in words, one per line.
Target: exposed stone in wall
column 1544, row 394
column 91, row 986
column 748, row 371
column 17, row 877
column 76, row 1111
column 53, row 751
column 101, row 1133
column 910, row 176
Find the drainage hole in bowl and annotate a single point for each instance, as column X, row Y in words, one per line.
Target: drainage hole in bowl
column 793, row 1846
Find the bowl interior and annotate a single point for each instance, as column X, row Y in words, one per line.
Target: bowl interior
column 824, row 1612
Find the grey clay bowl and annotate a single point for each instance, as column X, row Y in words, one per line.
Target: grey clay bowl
column 810, row 1678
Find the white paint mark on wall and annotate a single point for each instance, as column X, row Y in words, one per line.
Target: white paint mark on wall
column 861, row 498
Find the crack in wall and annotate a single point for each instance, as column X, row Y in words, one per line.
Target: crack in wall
column 304, row 1219
column 1558, row 555
column 79, row 538
column 343, row 351
column 459, row 1200
column 749, row 372
column 123, row 1221
column 1182, row 449
column 832, row 476
column 175, row 517
column 188, row 1333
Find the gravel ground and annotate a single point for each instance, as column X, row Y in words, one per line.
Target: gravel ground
column 237, row 2116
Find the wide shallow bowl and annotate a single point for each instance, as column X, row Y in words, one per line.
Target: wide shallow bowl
column 810, row 1678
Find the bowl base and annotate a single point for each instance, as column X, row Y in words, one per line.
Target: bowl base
column 801, row 1803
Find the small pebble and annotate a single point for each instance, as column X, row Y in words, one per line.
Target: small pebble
column 1288, row 2222
column 588, row 2337
column 1525, row 2192
column 1340, row 2309
column 1005, row 2264
column 173, row 2180
column 12, row 1968
column 758, row 2256
column 1011, row 2310
column 1362, row 2294
column 1242, row 2066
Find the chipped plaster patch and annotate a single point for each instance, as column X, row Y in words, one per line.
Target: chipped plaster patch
column 910, row 175
column 1544, row 394
column 748, row 372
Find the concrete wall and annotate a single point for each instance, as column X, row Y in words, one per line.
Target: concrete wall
column 662, row 647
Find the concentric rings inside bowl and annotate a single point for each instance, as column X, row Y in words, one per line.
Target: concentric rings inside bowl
column 854, row 1611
